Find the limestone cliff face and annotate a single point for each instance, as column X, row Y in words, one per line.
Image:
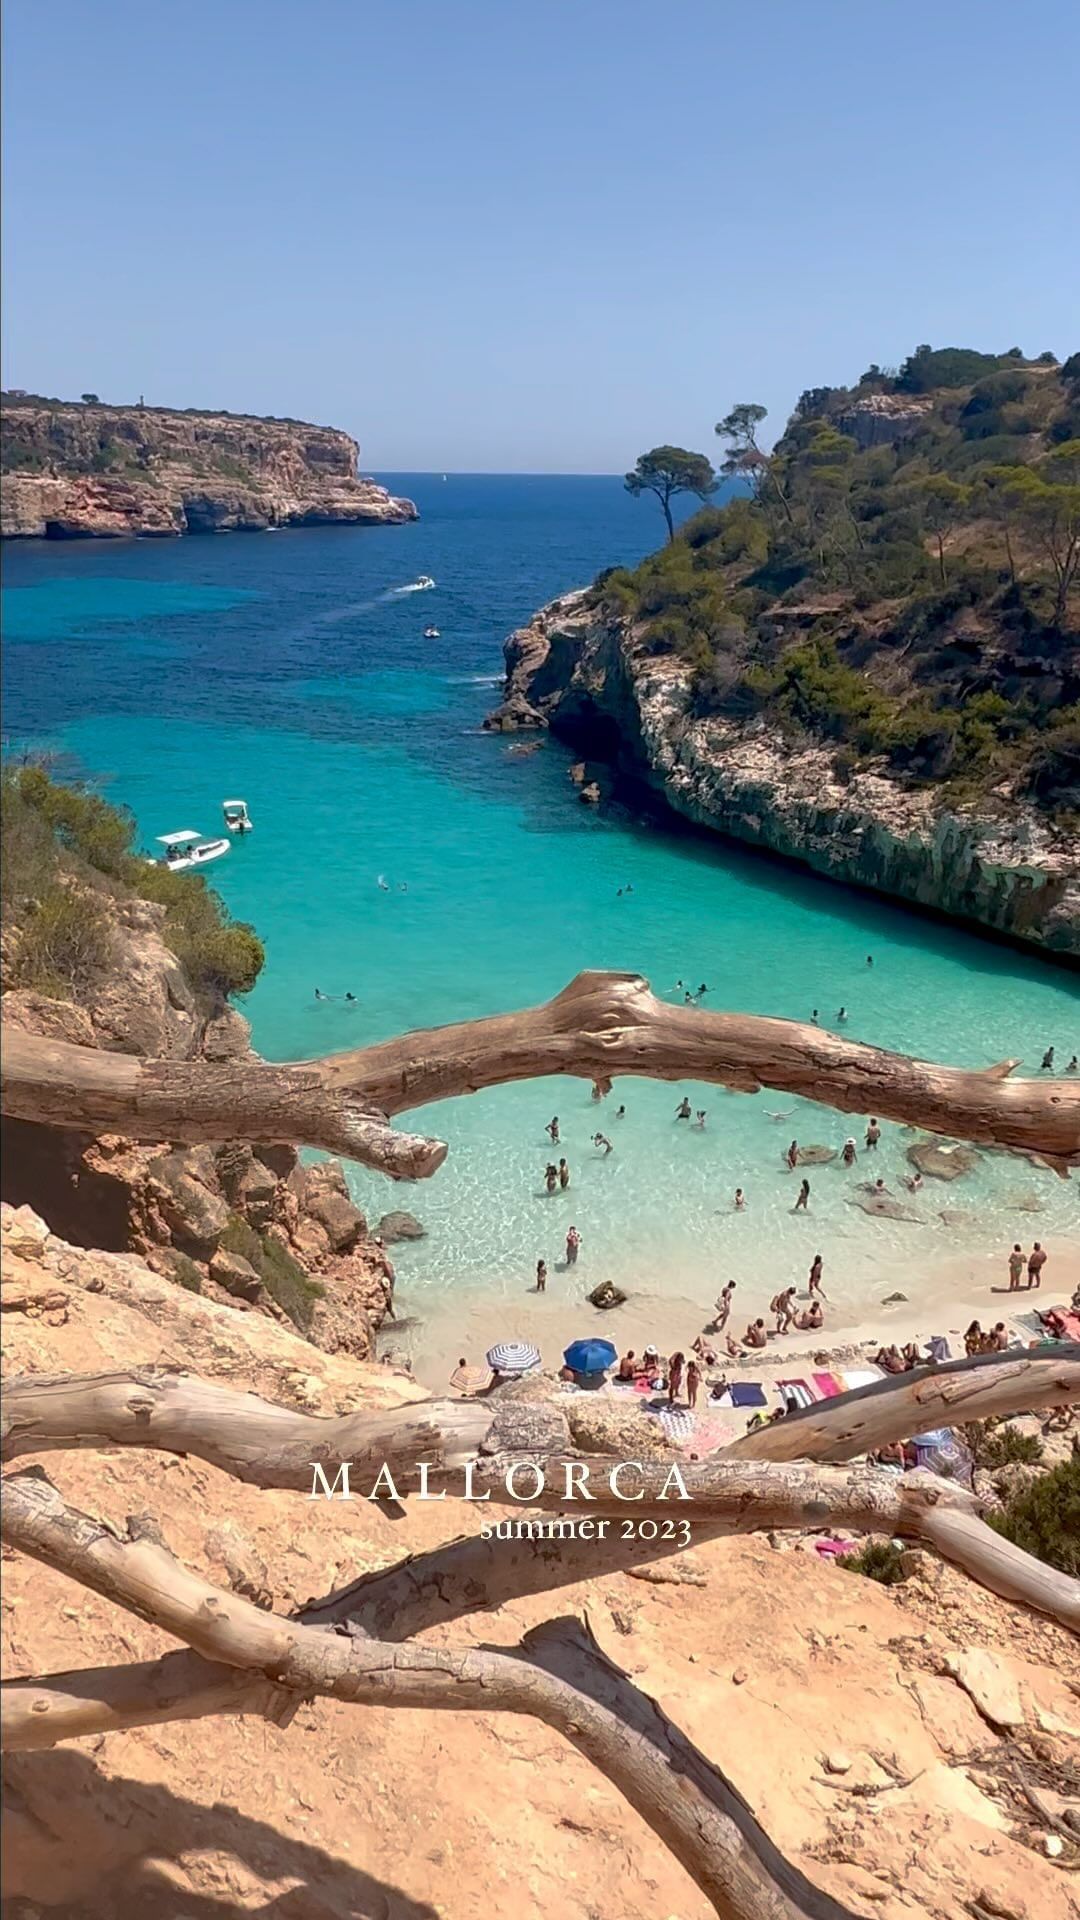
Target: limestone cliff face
column 219, row 1220
column 1005, row 870
column 93, row 471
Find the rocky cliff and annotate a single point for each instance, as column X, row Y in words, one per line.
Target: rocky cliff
column 74, row 471
column 584, row 673
column 257, row 1231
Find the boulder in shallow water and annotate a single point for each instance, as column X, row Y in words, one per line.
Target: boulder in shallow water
column 942, row 1159
column 893, row 1299
column 883, row 1206
column 399, row 1226
column 607, row 1294
column 816, row 1156
column 955, row 1217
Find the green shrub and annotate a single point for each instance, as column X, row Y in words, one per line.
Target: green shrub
column 879, row 1560
column 1005, row 1447
column 284, row 1279
column 27, row 847
column 186, row 1274
column 65, row 945
column 1044, row 1519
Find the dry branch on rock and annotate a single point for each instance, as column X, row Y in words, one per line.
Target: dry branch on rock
column 601, row 1025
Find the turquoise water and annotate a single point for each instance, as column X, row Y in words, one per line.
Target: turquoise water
column 291, row 670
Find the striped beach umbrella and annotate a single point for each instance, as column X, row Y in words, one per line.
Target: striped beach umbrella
column 513, row 1356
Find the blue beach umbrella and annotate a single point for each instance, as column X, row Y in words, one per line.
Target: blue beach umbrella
column 590, row 1356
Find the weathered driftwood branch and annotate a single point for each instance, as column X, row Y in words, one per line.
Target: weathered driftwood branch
column 601, row 1025
column 985, row 1387
column 273, row 1446
column 559, row 1676
column 437, row 1440
column 191, row 1101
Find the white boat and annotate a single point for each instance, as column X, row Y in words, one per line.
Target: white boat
column 237, row 817
column 431, row 633
column 189, row 849
column 425, row 580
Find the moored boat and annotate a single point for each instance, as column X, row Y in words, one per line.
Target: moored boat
column 237, row 817
column 189, row 849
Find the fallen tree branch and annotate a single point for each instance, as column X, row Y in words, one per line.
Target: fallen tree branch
column 191, row 1101
column 984, row 1387
column 601, row 1025
column 436, row 1441
column 559, row 1676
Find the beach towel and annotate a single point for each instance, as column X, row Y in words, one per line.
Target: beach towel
column 721, row 1399
column 798, row 1390
column 939, row 1348
column 747, row 1394
column 860, row 1377
column 678, row 1423
column 828, row 1385
column 708, row 1434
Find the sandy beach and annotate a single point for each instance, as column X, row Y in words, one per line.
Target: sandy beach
column 435, row 1331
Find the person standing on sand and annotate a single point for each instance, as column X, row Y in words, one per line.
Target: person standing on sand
column 552, row 1128
column 693, row 1382
column 573, row 1242
column 873, row 1133
column 815, row 1278
column 541, row 1276
column 1016, row 1267
column 803, row 1200
column 675, row 1374
column 723, row 1305
column 564, row 1175
column 1036, row 1263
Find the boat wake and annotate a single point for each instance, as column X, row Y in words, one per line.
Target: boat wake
column 423, row 585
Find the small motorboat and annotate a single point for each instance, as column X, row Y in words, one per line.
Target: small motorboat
column 431, row 633
column 189, row 849
column 425, row 580
column 237, row 817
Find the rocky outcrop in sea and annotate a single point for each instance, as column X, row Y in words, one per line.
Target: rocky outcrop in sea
column 999, row 865
column 73, row 471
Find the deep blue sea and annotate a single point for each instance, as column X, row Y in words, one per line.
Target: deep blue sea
column 290, row 669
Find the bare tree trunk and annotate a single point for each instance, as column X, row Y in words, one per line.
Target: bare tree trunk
column 601, row 1025
column 558, row 1676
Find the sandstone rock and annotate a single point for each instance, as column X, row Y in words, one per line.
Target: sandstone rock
column 838, row 1761
column 245, row 1570
column 226, row 1037
column 884, row 1205
column 52, row 1019
column 24, row 1234
column 943, row 1160
column 989, row 1684
column 194, row 1210
column 292, row 474
column 607, row 1294
column 816, row 1156
column 400, row 1226
column 235, row 1274
column 893, row 1299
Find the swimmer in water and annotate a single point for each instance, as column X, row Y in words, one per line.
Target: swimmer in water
column 383, row 883
column 841, row 1016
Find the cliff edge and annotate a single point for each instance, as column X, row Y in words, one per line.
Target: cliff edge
column 589, row 675
column 73, row 470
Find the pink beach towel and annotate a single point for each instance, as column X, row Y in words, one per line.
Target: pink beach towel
column 827, row 1385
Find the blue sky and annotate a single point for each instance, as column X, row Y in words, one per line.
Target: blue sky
column 488, row 234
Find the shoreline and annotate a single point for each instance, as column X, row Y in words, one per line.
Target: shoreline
column 436, row 1331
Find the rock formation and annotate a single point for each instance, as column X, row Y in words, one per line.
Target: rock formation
column 1004, row 869
column 256, row 1231
column 74, row 471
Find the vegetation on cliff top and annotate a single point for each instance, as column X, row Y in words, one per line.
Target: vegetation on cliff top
column 897, row 579
column 65, row 854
